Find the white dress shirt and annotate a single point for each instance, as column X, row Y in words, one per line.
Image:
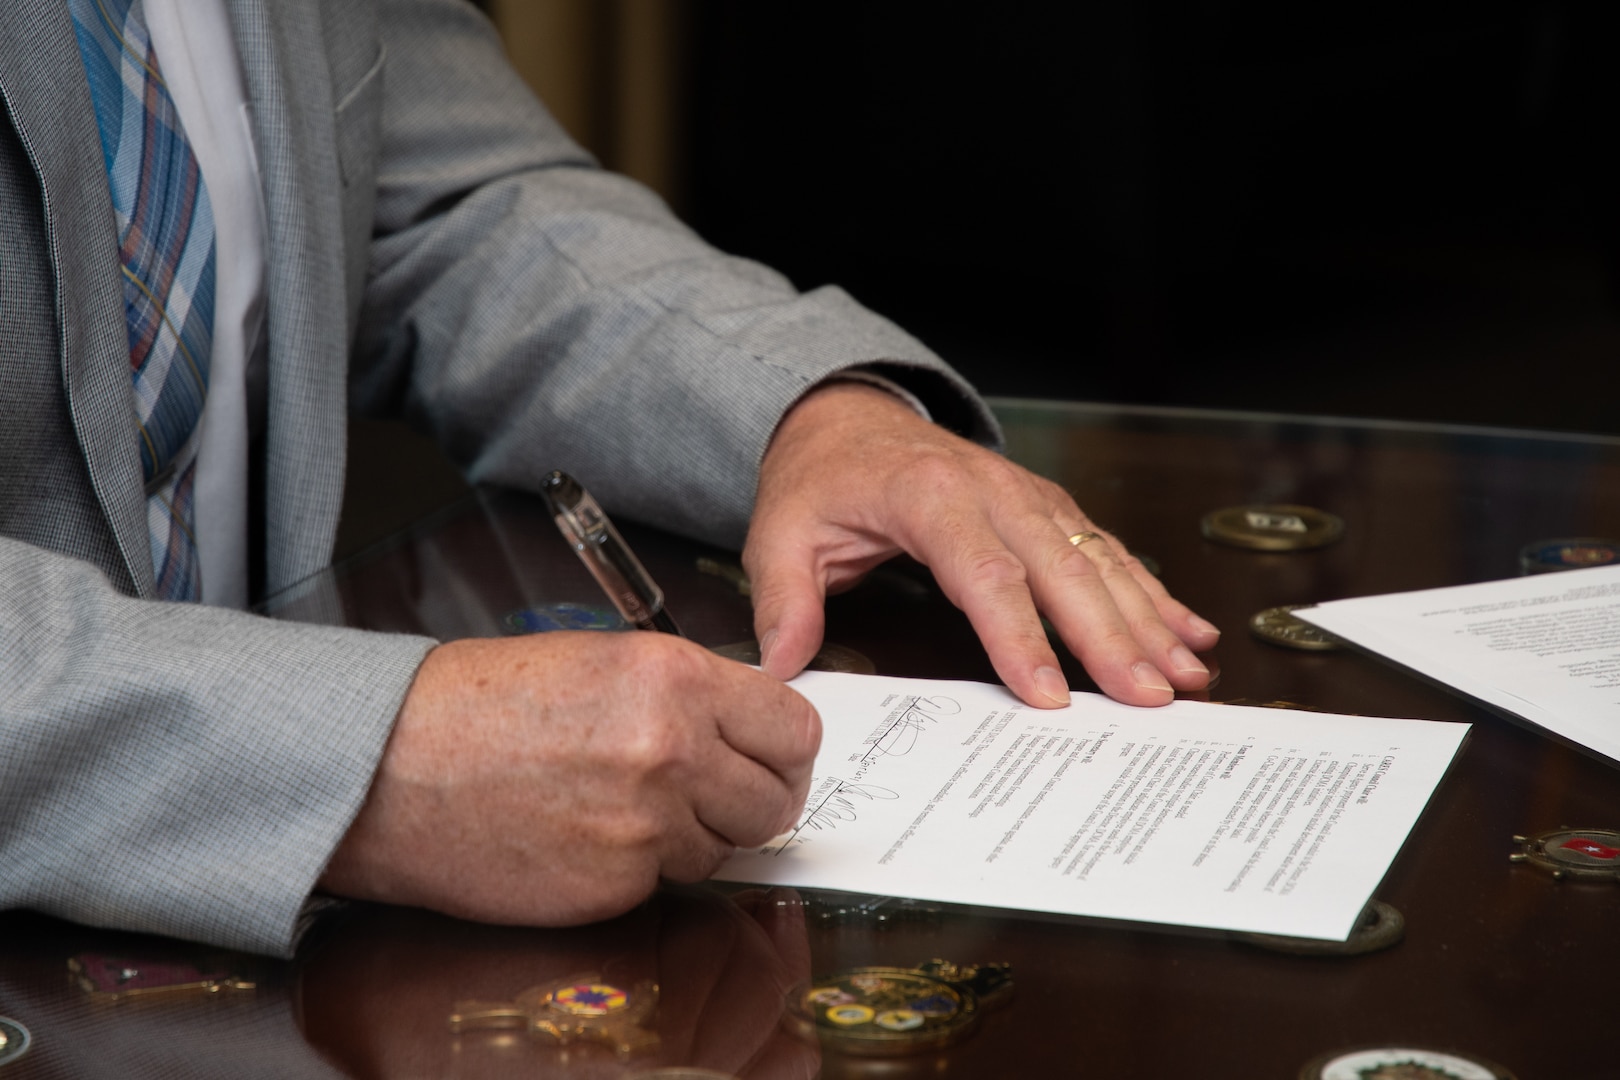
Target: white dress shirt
column 197, row 54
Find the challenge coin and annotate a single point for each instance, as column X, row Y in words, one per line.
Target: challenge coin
column 1280, row 626
column 1577, row 553
column 1278, row 527
column 14, row 1040
column 1580, row 854
column 579, row 1008
column 1379, row 927
column 589, row 999
column 830, row 657
column 886, row 1011
column 849, row 1015
column 1401, row 1063
column 116, row 977
column 565, row 616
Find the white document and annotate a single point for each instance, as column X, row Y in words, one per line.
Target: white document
column 1217, row 816
column 1546, row 647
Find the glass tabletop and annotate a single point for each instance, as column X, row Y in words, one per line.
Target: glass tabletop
column 1497, row 960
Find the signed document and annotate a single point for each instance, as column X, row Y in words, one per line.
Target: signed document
column 1218, row 816
column 1544, row 648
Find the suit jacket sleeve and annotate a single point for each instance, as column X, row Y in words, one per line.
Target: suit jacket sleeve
column 173, row 768
column 534, row 312
column 187, row 771
column 163, row 767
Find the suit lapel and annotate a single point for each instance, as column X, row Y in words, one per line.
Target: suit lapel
column 42, row 81
column 284, row 63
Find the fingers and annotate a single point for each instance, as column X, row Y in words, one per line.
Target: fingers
column 851, row 477
column 765, row 722
column 1004, row 569
column 554, row 779
column 1000, row 589
column 755, row 783
column 1101, row 609
column 788, row 596
column 1198, row 634
column 728, row 760
column 742, row 769
column 990, row 585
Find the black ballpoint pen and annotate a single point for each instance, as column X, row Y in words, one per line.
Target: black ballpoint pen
column 606, row 555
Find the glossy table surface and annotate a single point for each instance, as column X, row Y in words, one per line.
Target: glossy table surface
column 1498, row 960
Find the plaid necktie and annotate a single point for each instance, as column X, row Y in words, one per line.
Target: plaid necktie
column 166, row 248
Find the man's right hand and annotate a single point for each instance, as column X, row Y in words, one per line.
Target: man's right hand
column 554, row 779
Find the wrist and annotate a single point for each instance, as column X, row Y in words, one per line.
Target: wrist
column 841, row 402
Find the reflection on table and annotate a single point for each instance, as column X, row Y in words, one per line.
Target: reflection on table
column 1498, row 960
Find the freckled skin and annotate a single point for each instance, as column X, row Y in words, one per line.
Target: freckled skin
column 554, row 779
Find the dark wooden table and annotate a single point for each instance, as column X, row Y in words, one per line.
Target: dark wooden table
column 1498, row 960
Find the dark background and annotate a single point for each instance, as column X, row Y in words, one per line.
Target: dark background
column 1379, row 210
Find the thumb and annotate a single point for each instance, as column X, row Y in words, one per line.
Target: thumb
column 788, row 605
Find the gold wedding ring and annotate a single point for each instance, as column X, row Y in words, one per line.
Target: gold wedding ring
column 1081, row 537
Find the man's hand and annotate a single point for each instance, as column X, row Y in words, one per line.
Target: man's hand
column 554, row 779
column 853, row 476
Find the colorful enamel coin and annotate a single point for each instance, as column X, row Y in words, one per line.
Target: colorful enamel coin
column 580, row 1008
column 886, row 1011
column 1578, row 854
column 589, row 999
column 900, row 1020
column 846, row 1016
column 546, row 617
column 114, row 978
column 1575, row 553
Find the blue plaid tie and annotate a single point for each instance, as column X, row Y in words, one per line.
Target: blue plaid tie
column 166, row 248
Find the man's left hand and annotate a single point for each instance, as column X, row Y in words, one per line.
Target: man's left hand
column 853, row 476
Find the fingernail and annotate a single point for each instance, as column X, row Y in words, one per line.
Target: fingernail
column 1186, row 662
column 1148, row 678
column 1050, row 681
column 767, row 645
column 1204, row 625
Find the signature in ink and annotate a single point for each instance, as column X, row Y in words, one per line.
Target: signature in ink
column 839, row 806
column 900, row 737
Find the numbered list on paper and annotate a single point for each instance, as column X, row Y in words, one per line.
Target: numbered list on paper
column 1197, row 814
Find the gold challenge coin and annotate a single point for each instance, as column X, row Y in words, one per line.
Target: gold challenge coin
column 1278, row 527
column 1280, row 626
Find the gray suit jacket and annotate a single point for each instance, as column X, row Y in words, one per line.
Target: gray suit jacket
column 437, row 249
